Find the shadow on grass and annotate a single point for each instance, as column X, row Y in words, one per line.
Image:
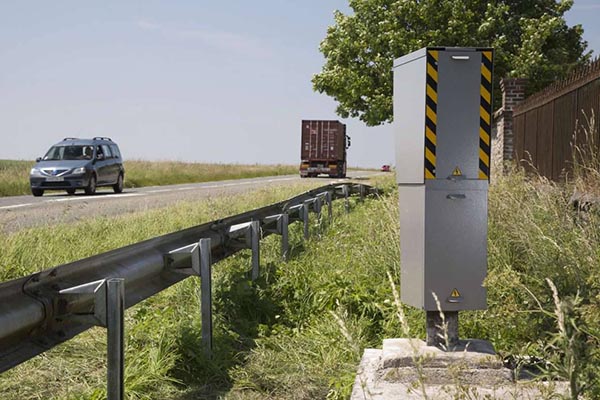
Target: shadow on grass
column 242, row 310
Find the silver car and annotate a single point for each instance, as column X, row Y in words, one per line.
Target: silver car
column 79, row 164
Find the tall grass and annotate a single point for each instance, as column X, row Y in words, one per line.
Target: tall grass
column 14, row 175
column 149, row 173
column 298, row 332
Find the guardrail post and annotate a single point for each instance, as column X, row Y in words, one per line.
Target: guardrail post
column 108, row 297
column 305, row 208
column 285, row 221
column 115, row 310
column 201, row 258
column 205, row 259
column 329, row 199
column 278, row 224
column 318, row 204
column 255, row 239
column 346, row 198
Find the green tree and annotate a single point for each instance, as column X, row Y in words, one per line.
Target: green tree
column 530, row 37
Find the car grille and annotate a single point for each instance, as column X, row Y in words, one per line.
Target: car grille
column 53, row 172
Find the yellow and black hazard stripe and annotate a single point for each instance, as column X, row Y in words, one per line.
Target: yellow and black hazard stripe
column 431, row 113
column 485, row 114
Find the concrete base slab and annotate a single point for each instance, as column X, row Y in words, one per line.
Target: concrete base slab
column 470, row 353
column 408, row 369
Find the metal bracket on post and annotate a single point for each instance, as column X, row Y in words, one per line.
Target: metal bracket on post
column 318, row 205
column 295, row 213
column 108, row 309
column 361, row 191
column 255, row 245
column 201, row 257
column 326, row 198
column 373, row 191
column 247, row 236
column 346, row 194
column 278, row 224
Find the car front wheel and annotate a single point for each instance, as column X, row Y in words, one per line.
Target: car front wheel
column 91, row 187
column 37, row 192
column 118, row 187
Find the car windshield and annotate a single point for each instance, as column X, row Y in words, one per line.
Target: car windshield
column 69, row 153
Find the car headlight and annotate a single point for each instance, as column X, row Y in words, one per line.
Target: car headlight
column 80, row 170
column 35, row 172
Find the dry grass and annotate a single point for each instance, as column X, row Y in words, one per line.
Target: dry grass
column 14, row 174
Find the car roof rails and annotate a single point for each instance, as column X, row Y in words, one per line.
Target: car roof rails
column 102, row 138
column 70, row 138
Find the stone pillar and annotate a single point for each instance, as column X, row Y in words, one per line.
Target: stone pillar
column 513, row 93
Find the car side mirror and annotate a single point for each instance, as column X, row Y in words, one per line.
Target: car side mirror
column 38, row 159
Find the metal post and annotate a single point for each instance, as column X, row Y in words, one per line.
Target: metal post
column 255, row 238
column 305, row 218
column 328, row 198
column 205, row 257
column 442, row 332
column 362, row 192
column 115, row 310
column 318, row 204
column 284, row 221
column 346, row 198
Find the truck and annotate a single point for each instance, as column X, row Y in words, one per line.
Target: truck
column 323, row 148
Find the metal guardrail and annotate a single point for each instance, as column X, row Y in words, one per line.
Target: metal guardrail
column 42, row 310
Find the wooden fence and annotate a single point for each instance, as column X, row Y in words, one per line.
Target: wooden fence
column 546, row 122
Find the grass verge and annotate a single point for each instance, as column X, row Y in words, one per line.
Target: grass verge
column 14, row 175
column 299, row 331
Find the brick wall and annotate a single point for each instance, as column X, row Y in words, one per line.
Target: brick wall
column 513, row 93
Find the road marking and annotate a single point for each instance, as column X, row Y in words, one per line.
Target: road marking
column 159, row 191
column 113, row 197
column 202, row 186
column 16, row 206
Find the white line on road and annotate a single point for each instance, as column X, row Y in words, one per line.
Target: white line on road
column 109, row 197
column 15, row 206
column 159, row 191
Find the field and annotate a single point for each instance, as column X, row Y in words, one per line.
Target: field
column 14, row 175
column 299, row 331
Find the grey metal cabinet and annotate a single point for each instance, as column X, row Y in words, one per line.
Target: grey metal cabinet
column 442, row 123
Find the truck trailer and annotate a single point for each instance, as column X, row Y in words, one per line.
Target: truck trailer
column 323, row 151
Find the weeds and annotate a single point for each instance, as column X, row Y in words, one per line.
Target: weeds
column 298, row 331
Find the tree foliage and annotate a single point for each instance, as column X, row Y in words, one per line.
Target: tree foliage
column 530, row 37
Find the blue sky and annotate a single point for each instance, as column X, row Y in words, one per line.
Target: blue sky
column 180, row 80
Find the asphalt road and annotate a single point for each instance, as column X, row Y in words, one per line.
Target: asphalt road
column 20, row 212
